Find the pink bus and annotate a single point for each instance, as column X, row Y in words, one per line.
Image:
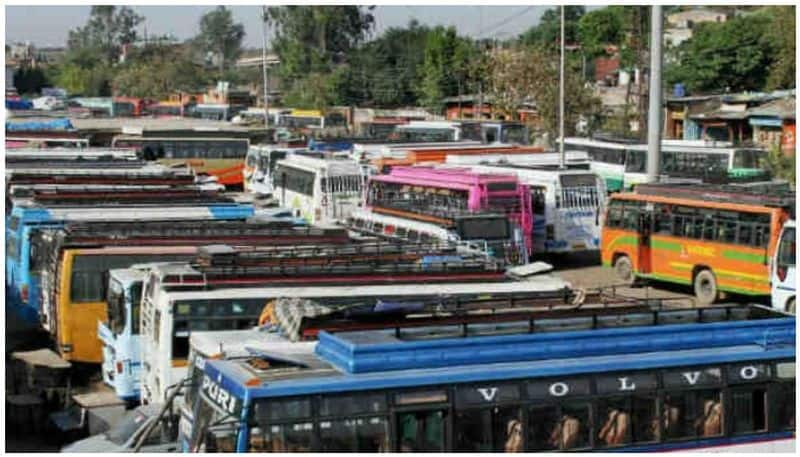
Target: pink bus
column 437, row 195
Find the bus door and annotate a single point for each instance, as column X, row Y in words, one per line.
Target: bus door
column 423, row 424
column 645, row 228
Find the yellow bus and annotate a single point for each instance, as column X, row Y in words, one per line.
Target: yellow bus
column 222, row 157
column 711, row 238
column 74, row 292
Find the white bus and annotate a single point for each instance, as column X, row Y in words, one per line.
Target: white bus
column 784, row 280
column 169, row 316
column 429, row 131
column 566, row 206
column 259, row 165
column 491, row 234
column 624, row 165
column 319, row 190
column 572, row 159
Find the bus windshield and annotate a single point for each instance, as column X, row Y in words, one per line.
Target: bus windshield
column 483, row 228
column 294, row 179
column 517, row 134
column 748, row 158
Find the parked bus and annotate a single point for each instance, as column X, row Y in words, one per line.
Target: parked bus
column 169, row 316
column 713, row 238
column 566, row 206
column 683, row 386
column 260, row 165
column 216, row 156
column 128, row 106
column 784, row 280
column 624, row 165
column 312, row 120
column 18, row 141
column 488, row 132
column 28, row 155
column 320, row 190
column 489, row 233
column 436, row 194
column 429, row 131
column 22, row 281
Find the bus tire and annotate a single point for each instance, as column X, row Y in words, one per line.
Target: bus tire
column 624, row 269
column 705, row 287
column 790, row 308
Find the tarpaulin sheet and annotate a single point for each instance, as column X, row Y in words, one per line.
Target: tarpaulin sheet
column 33, row 126
column 18, row 104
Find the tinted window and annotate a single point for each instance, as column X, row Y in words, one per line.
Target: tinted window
column 295, row 180
column 477, row 228
column 786, row 251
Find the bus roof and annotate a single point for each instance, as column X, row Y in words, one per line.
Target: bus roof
column 230, row 344
column 377, row 359
column 134, row 212
column 631, row 196
column 718, row 194
column 539, row 283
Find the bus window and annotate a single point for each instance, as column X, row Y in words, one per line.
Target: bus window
column 116, row 307
column 630, row 216
column 785, row 401
column 282, row 426
column 296, row 180
column 749, row 409
column 514, row 134
column 551, row 429
column 696, row 413
column 786, row 250
column 748, row 158
column 495, row 429
column 636, row 161
column 614, row 219
column 87, row 279
column 358, row 425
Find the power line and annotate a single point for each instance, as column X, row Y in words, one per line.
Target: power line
column 503, row 22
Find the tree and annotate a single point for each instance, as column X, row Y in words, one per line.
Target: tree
column 447, row 66
column 548, row 31
column 781, row 33
column 221, row 36
column 530, row 73
column 313, row 43
column 30, row 80
column 732, row 56
column 599, row 28
column 159, row 69
column 108, row 29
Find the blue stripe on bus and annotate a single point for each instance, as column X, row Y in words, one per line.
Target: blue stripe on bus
column 706, row 443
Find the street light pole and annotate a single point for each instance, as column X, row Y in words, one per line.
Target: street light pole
column 561, row 158
column 654, row 115
column 264, row 59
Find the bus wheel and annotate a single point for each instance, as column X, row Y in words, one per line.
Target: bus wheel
column 790, row 306
column 624, row 269
column 705, row 287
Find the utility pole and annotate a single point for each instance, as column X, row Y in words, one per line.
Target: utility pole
column 264, row 58
column 654, row 115
column 561, row 158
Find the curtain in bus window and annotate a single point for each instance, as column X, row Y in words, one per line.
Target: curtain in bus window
column 563, row 429
column 623, row 420
column 749, row 409
column 691, row 414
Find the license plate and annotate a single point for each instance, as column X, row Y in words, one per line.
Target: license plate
column 579, row 246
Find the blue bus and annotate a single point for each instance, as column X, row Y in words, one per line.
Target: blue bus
column 707, row 382
column 21, row 283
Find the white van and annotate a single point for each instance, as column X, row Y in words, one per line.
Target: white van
column 783, row 266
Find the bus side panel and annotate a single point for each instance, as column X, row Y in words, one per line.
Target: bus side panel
column 738, row 269
column 617, row 241
column 78, row 321
column 612, row 174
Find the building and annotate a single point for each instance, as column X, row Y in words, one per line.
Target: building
column 773, row 124
column 680, row 25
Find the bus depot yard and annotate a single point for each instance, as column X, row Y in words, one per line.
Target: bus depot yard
column 193, row 276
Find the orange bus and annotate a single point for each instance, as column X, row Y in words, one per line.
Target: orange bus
column 712, row 238
column 432, row 156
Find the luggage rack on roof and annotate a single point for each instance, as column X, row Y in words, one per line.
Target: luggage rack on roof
column 718, row 193
column 170, row 194
column 262, row 255
column 119, row 178
column 179, row 232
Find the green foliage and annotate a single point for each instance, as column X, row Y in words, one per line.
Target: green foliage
column 315, row 44
column 447, row 66
column 548, row 31
column 102, row 37
column 731, row 56
column 157, row 70
column 30, row 80
column 781, row 32
column 780, row 165
column 220, row 36
column 90, row 82
column 601, row 27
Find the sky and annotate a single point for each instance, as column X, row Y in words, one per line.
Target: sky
column 49, row 25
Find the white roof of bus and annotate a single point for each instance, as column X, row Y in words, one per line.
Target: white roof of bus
column 134, row 273
column 149, row 169
column 542, row 283
column 343, row 166
column 234, row 343
column 526, row 175
column 433, row 229
column 428, row 125
column 130, row 213
column 541, row 158
column 55, row 153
